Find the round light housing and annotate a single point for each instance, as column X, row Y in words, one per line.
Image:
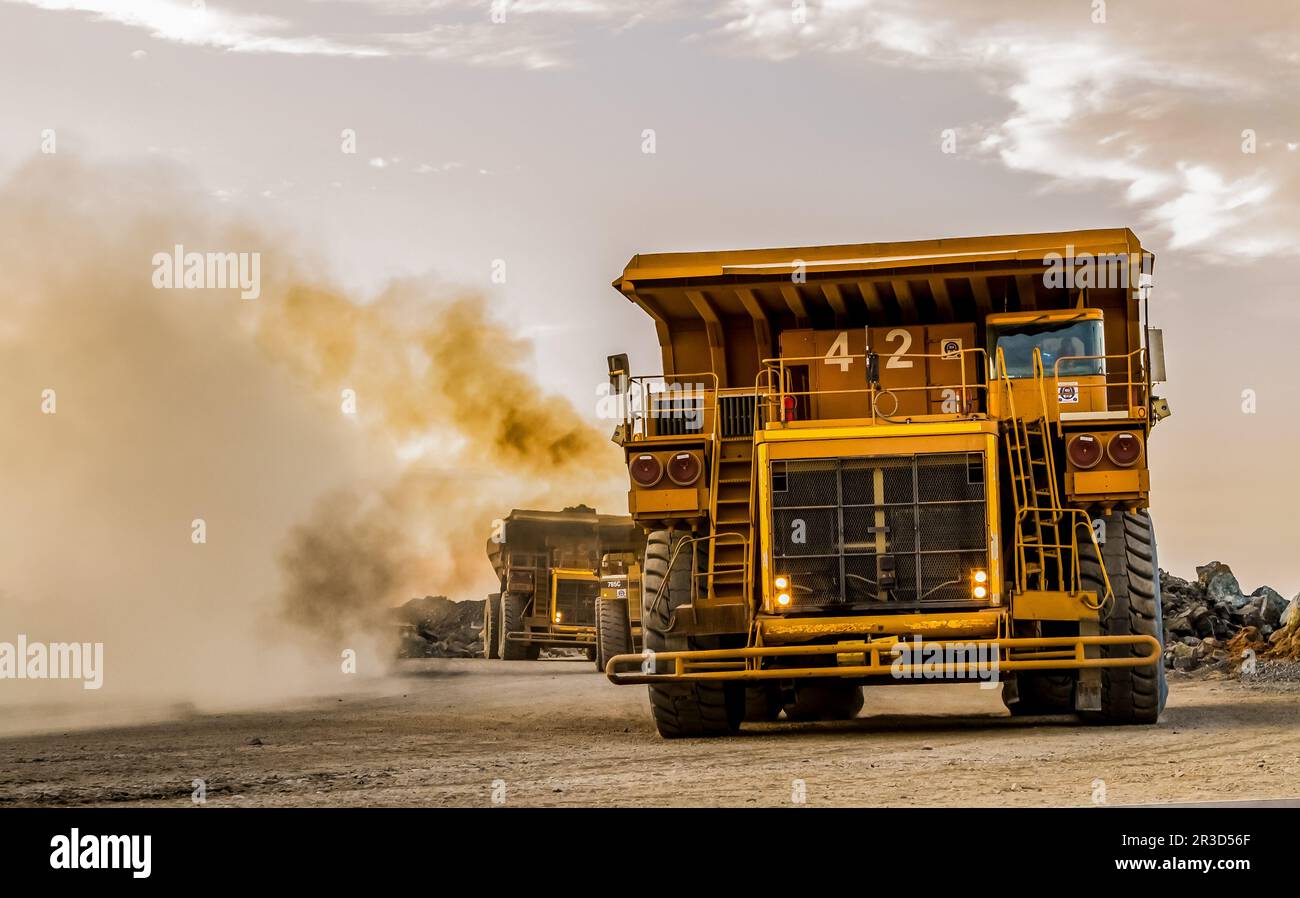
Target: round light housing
column 1084, row 451
column 781, row 582
column 1124, row 448
column 646, row 470
column 783, row 599
column 684, row 468
column 980, row 592
column 981, row 577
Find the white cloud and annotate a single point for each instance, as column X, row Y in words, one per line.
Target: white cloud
column 425, row 168
column 206, row 26
column 476, row 41
column 479, row 43
column 534, row 34
column 1153, row 101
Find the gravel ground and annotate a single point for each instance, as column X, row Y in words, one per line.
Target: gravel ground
column 463, row 732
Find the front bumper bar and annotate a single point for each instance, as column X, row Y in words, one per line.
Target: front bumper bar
column 881, row 658
column 555, row 638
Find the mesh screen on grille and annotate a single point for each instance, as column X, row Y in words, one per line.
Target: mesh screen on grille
column 576, row 602
column 838, row 523
column 676, row 416
column 737, row 415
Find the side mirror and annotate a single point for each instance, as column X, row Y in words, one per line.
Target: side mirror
column 618, row 373
column 873, row 368
column 1148, row 266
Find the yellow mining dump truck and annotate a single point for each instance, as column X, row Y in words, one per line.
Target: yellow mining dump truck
column 548, row 564
column 895, row 461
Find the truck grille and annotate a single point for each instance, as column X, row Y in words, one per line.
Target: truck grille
column 737, row 415
column 838, row 523
column 677, row 415
column 576, row 602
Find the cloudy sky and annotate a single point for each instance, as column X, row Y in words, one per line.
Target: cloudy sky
column 513, row 131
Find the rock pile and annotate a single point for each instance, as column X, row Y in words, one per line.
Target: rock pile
column 437, row 627
column 1210, row 621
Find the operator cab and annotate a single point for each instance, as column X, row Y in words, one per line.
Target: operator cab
column 1072, row 343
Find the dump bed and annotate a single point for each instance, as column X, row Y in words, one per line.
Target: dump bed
column 572, row 538
column 724, row 312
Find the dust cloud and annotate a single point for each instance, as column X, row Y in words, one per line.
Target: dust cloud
column 342, row 454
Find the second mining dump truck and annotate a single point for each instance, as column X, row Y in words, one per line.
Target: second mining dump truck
column 549, row 567
column 908, row 461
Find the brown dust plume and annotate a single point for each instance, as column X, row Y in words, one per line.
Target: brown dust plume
column 343, row 454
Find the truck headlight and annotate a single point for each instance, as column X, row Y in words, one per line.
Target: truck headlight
column 684, row 468
column 1084, row 451
column 646, row 470
column 1124, row 448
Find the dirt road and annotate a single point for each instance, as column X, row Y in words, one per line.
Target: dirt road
column 556, row 733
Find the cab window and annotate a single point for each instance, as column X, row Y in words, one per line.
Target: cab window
column 1058, row 341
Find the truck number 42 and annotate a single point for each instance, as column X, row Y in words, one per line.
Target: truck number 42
column 838, row 354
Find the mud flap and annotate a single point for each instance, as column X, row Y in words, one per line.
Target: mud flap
column 1087, row 691
column 1010, row 690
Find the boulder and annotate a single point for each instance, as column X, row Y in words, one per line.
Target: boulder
column 1182, row 657
column 1285, row 617
column 1201, row 620
column 1217, row 581
column 1180, row 625
column 1251, row 615
column 1271, row 605
column 441, row 628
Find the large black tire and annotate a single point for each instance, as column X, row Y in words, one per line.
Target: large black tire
column 512, row 621
column 680, row 710
column 1040, row 692
column 613, row 631
column 492, row 626
column 762, row 703
column 824, row 700
column 1129, row 695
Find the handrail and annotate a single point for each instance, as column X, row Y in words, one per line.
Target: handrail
column 780, row 365
column 1015, row 457
column 746, row 579
column 1020, row 477
column 1081, row 519
column 639, row 384
column 1128, row 384
column 1056, row 510
column 1041, row 377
